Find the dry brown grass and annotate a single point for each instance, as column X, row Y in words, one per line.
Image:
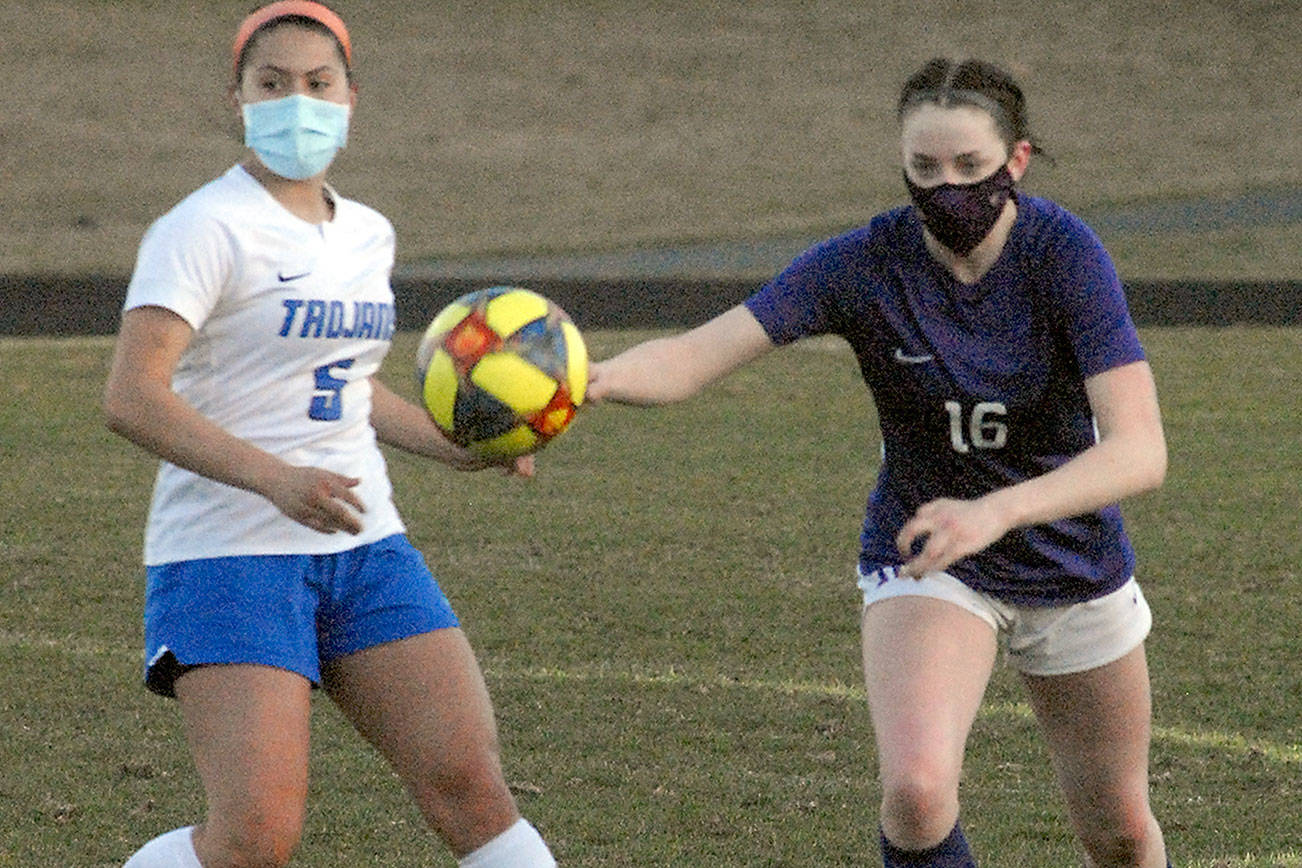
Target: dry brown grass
column 515, row 126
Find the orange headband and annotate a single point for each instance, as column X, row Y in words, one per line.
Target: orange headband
column 284, row 8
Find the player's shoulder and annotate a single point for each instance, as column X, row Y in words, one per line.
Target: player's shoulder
column 230, row 193
column 884, row 230
column 1050, row 223
column 207, row 220
column 896, row 221
column 225, row 201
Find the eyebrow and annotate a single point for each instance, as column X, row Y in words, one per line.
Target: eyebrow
column 271, row 67
column 920, row 155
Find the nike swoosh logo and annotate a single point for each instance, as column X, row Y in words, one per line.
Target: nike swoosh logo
column 286, row 278
column 906, row 359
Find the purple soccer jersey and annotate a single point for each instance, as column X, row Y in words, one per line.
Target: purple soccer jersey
column 977, row 386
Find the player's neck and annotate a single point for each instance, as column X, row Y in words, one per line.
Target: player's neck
column 307, row 199
column 973, row 266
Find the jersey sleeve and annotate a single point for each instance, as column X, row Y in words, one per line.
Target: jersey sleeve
column 183, row 263
column 800, row 301
column 1091, row 301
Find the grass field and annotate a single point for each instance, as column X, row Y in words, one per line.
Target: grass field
column 668, row 624
column 666, row 616
column 505, row 126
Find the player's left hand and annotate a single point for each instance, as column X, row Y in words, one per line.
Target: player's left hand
column 951, row 530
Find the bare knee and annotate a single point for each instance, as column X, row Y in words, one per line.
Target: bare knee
column 468, row 782
column 919, row 808
column 466, row 800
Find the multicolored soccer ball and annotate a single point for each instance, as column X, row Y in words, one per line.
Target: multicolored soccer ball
column 502, row 371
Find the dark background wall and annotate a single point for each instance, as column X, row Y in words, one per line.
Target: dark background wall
column 89, row 305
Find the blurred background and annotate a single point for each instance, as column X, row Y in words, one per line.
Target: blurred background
column 492, row 131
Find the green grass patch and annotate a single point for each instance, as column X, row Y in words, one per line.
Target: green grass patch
column 668, row 623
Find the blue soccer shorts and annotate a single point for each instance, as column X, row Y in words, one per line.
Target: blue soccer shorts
column 292, row 612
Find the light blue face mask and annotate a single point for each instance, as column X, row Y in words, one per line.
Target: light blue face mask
column 295, row 136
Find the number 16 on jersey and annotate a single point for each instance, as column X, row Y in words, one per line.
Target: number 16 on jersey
column 983, row 429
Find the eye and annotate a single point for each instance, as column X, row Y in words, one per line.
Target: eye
column 924, row 167
column 268, row 83
column 967, row 164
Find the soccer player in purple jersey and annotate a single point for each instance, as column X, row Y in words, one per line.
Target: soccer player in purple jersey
column 1016, row 409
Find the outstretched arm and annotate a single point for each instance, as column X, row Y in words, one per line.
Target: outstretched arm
column 666, row 370
column 1129, row 458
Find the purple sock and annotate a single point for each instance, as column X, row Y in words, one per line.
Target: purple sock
column 952, row 852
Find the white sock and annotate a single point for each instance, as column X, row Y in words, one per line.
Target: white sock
column 518, row 847
column 174, row 849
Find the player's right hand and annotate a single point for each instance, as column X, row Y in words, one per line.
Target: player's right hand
column 319, row 499
column 598, row 381
column 521, row 466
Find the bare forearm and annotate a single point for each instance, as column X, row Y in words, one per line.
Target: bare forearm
column 402, row 424
column 1104, row 474
column 648, row 375
column 161, row 423
column 1129, row 458
column 666, row 370
column 139, row 404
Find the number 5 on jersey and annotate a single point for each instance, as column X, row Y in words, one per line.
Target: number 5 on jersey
column 327, row 402
column 983, row 429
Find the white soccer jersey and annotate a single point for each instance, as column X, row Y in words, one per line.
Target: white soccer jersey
column 291, row 319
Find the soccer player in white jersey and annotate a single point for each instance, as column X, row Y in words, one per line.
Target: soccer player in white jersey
column 1016, row 409
column 257, row 316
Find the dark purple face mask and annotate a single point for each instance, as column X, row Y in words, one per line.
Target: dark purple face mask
column 962, row 215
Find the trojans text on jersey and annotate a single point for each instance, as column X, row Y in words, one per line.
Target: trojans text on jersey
column 321, row 318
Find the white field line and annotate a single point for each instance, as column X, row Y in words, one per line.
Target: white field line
column 1226, row 742
column 9, row 342
column 1282, row 859
column 1229, row 742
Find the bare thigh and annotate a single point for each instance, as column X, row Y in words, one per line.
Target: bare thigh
column 1097, row 725
column 248, row 730
column 422, row 702
column 926, row 665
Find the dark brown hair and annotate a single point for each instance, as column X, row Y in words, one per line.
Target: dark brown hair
column 947, row 83
column 301, row 21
